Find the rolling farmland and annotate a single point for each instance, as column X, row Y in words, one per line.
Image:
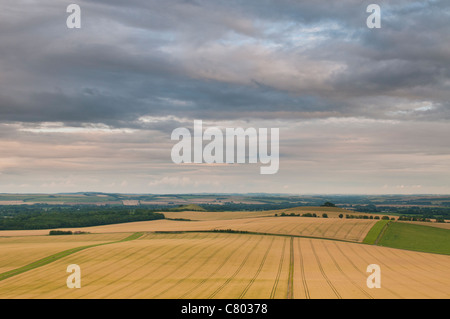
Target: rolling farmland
column 224, row 255
column 333, row 228
column 19, row 251
column 417, row 237
column 233, row 266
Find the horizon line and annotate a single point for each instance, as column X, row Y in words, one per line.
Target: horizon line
column 218, row 193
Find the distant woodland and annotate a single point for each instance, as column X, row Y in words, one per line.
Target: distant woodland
column 30, row 217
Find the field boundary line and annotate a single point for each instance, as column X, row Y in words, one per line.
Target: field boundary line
column 381, row 234
column 257, row 233
column 49, row 259
column 363, row 229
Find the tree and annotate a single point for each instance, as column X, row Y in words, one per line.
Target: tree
column 59, row 232
column 328, row 204
column 325, row 215
column 341, row 215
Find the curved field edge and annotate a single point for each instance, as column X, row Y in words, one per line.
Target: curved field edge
column 174, row 266
column 233, row 231
column 375, row 232
column 353, row 230
column 417, row 238
column 49, row 259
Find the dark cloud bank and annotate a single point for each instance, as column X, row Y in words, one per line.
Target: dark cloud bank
column 151, row 66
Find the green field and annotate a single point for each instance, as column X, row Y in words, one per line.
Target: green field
column 417, row 237
column 375, row 232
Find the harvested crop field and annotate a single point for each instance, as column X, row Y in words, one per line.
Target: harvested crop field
column 19, row 251
column 333, row 228
column 332, row 212
column 222, row 265
column 196, row 215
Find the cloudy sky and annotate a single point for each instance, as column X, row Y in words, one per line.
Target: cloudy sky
column 92, row 109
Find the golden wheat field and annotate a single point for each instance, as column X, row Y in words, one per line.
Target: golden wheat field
column 334, row 228
column 230, row 266
column 19, row 251
column 332, row 212
column 264, row 257
column 199, row 215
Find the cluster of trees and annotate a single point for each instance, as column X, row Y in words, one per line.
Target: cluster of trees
column 291, row 214
column 60, row 232
column 65, row 232
column 362, row 216
column 232, row 231
column 420, row 219
column 365, row 217
column 414, row 218
column 229, row 206
column 328, row 204
column 50, row 218
column 324, row 215
column 440, row 213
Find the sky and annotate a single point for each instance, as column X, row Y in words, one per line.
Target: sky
column 359, row 110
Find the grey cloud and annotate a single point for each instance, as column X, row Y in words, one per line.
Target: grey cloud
column 378, row 100
column 130, row 57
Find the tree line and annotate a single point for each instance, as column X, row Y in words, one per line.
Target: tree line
column 80, row 217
